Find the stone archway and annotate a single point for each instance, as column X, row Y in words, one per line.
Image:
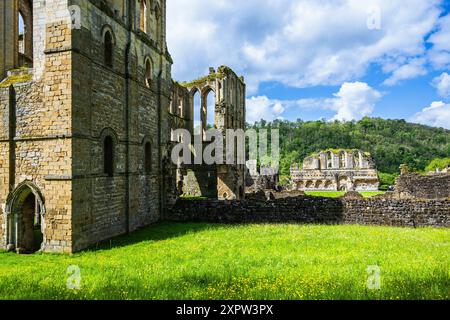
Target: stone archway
column 25, row 219
column 344, row 184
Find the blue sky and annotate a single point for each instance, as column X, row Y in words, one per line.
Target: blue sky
column 332, row 59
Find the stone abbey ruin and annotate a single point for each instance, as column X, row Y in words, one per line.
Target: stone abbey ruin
column 88, row 111
column 88, row 105
column 337, row 170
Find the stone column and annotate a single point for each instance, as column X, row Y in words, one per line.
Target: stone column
column 9, row 33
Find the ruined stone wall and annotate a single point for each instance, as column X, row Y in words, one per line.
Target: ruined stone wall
column 304, row 209
column 229, row 113
column 434, row 186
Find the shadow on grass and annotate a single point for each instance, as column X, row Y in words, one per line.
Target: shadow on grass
column 157, row 232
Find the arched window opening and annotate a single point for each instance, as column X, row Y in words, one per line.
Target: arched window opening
column 21, row 34
column 25, row 220
column 108, row 46
column 148, row 158
column 342, row 160
column 148, row 73
column 197, row 114
column 210, row 109
column 356, row 162
column 24, row 39
column 180, row 106
column 108, row 152
column 329, row 160
column 143, row 16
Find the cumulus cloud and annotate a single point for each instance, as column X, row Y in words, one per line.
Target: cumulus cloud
column 353, row 101
column 304, row 43
column 436, row 115
column 442, row 84
column 262, row 107
column 410, row 70
column 439, row 54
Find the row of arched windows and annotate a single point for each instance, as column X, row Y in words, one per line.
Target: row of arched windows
column 143, row 17
column 109, row 156
column 108, row 48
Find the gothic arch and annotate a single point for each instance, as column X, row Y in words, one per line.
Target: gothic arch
column 25, row 218
column 109, row 132
column 148, row 70
column 208, row 110
column 329, row 157
column 107, row 28
column 109, row 42
column 195, row 112
column 25, row 40
column 108, row 143
column 342, row 159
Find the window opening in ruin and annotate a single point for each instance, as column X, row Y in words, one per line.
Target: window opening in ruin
column 180, row 106
column 148, row 158
column 143, row 16
column 342, row 160
column 108, row 52
column 108, row 149
column 210, row 109
column 148, row 73
column 197, row 113
column 21, row 34
column 24, row 222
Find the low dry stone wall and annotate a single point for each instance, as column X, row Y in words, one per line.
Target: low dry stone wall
column 304, row 209
column 434, row 186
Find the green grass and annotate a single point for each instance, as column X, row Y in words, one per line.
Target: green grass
column 208, row 261
column 337, row 194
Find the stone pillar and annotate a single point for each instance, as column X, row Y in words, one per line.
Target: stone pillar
column 9, row 33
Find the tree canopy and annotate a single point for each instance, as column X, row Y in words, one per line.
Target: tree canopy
column 391, row 142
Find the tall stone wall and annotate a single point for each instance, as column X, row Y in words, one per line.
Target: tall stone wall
column 116, row 101
column 433, row 186
column 304, row 209
column 53, row 127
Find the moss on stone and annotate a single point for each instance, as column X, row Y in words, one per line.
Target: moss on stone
column 16, row 79
column 200, row 81
column 338, row 151
column 219, row 75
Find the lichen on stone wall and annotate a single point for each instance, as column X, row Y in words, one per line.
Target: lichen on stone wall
column 220, row 74
column 15, row 79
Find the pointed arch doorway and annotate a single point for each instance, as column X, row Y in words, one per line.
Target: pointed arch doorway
column 25, row 219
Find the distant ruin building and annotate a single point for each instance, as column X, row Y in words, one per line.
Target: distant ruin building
column 266, row 178
column 336, row 170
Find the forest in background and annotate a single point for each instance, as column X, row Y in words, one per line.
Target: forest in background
column 390, row 142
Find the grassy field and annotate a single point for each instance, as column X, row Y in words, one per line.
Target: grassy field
column 337, row 194
column 207, row 261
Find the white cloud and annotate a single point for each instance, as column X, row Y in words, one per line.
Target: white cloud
column 439, row 55
column 436, row 115
column 442, row 84
column 410, row 70
column 262, row 107
column 302, row 43
column 353, row 101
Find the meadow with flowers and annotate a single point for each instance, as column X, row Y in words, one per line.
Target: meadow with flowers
column 209, row 261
